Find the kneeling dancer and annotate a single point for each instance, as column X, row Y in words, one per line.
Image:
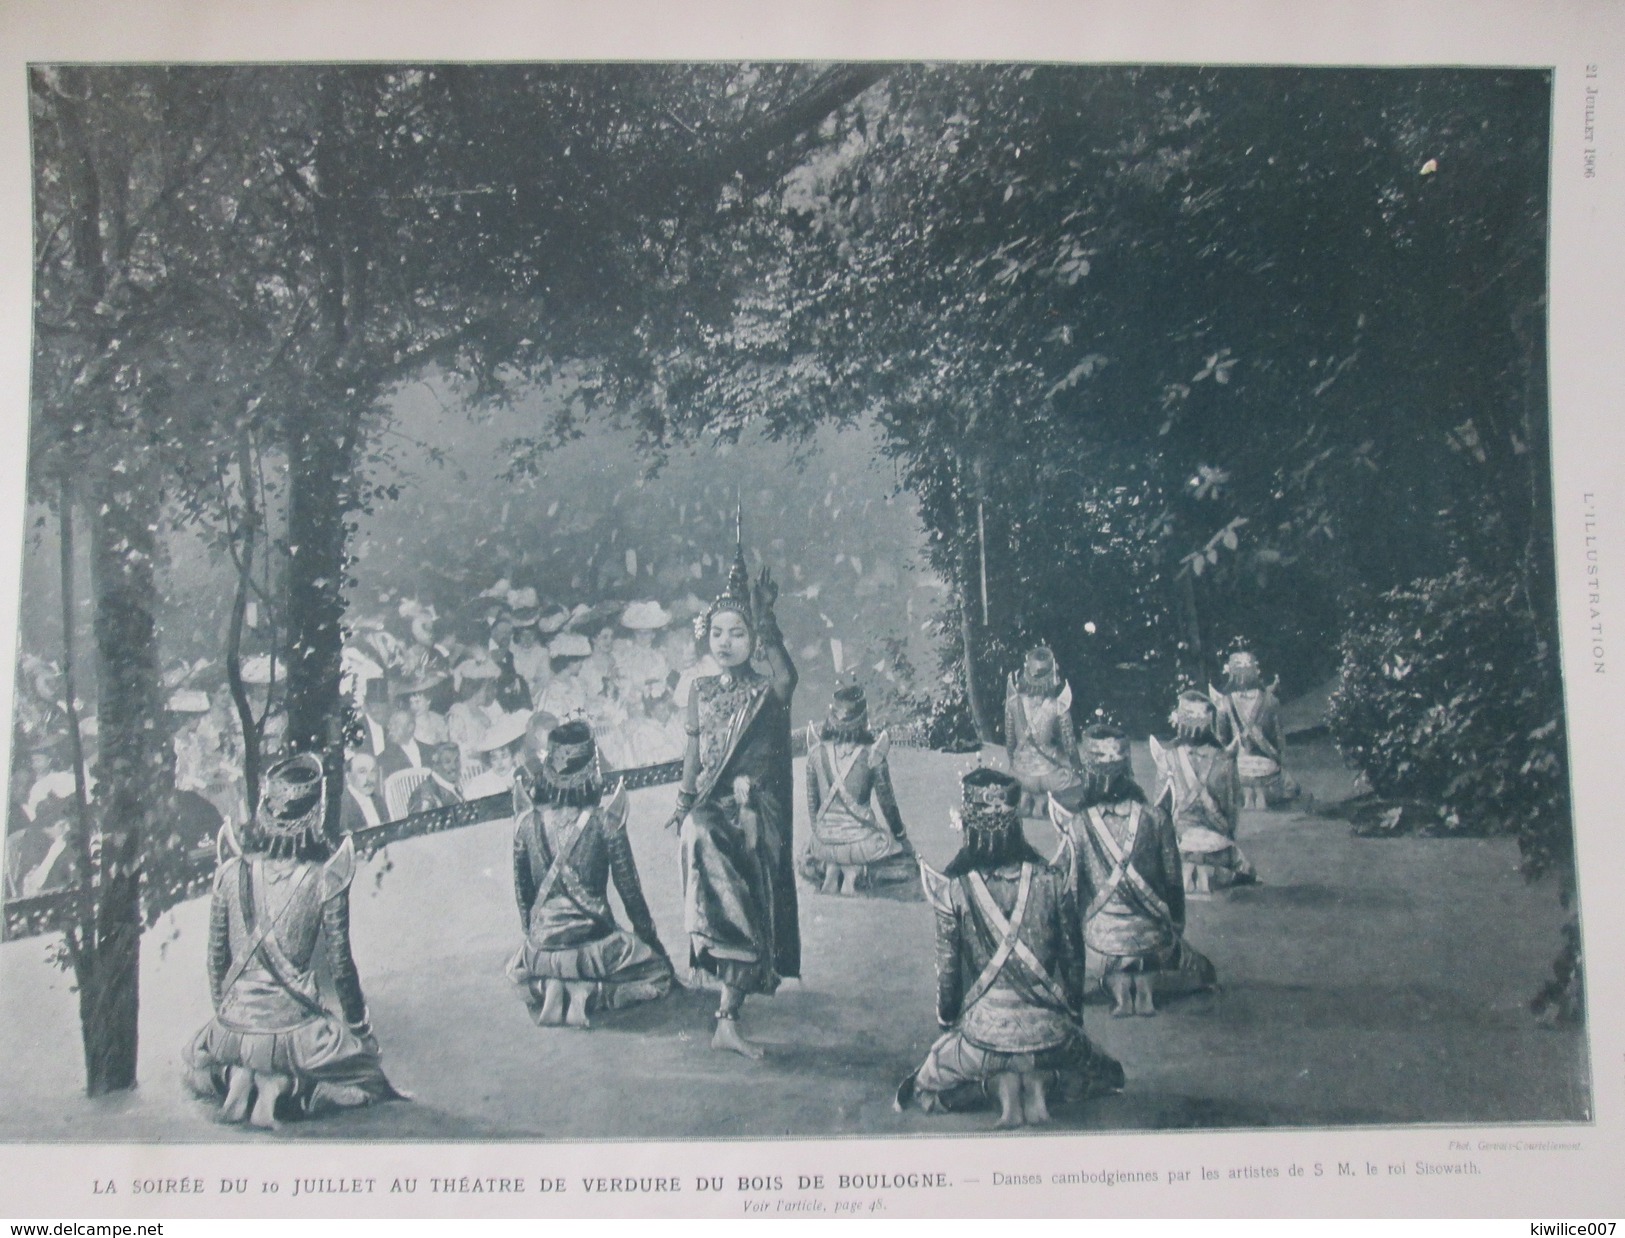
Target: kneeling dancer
column 1250, row 718
column 1038, row 735
column 1202, row 794
column 281, row 894
column 846, row 769
column 1129, row 891
column 1009, row 973
column 567, row 847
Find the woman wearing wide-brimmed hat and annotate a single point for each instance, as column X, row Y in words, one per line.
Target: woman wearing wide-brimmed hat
column 470, row 718
column 419, row 691
column 848, row 848
column 498, row 755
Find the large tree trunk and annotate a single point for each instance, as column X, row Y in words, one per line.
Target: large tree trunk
column 135, row 765
column 965, row 587
column 322, row 456
column 973, row 692
column 248, row 544
column 1194, row 659
column 320, row 460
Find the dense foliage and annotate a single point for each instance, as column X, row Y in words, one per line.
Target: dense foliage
column 1447, row 697
column 1164, row 355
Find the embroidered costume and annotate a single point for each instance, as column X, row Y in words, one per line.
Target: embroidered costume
column 1250, row 719
column 846, row 774
column 1200, row 790
column 1038, row 734
column 1126, row 879
column 281, row 903
column 739, row 889
column 1009, row 973
column 567, row 849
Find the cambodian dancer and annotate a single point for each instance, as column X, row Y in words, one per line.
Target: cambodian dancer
column 1126, row 877
column 281, row 903
column 1201, row 792
column 1250, row 718
column 847, row 846
column 568, row 846
column 1038, row 734
column 734, row 808
column 1010, row 973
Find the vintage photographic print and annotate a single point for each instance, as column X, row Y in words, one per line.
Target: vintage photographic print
column 714, row 599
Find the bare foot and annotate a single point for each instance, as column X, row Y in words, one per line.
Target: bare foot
column 1122, row 991
column 271, row 1088
column 727, row 1037
column 239, row 1090
column 1008, row 1088
column 552, row 1003
column 1143, row 1001
column 832, row 880
column 578, row 995
column 1033, row 1103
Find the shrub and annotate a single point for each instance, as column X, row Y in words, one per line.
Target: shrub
column 1450, row 696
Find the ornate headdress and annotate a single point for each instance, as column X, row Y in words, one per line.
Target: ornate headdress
column 1193, row 715
column 1039, row 672
column 991, row 820
column 1241, row 659
column 292, row 816
column 992, row 802
column 569, row 774
column 1241, row 664
column 735, row 596
column 848, row 718
column 1104, row 749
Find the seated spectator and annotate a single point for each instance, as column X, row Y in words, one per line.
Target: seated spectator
column 439, row 790
column 401, row 750
column 499, row 755
column 360, row 806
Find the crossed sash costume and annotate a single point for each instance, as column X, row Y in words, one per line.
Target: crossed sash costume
column 269, row 922
column 1249, row 718
column 844, row 781
column 1039, row 735
column 1009, row 986
column 1126, row 880
column 1202, row 793
column 564, row 858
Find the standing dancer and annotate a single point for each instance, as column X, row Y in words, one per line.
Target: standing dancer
column 1038, row 733
column 734, row 808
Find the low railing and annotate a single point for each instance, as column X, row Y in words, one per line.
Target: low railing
column 43, row 913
